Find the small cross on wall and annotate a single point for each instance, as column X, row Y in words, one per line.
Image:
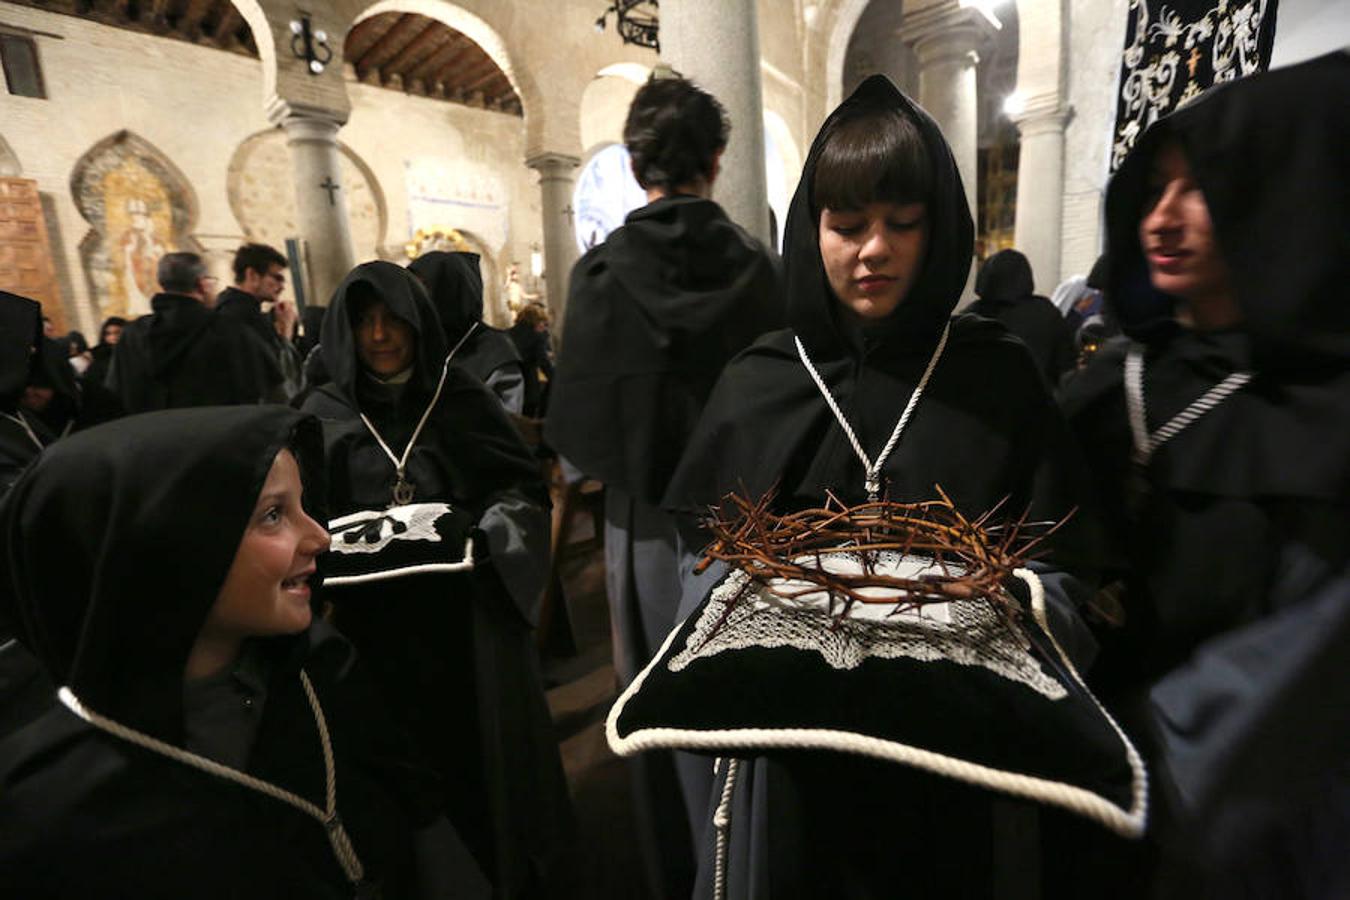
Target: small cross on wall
column 569, row 212
column 331, row 187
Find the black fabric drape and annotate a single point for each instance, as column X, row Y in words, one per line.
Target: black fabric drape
column 455, row 283
column 653, row 315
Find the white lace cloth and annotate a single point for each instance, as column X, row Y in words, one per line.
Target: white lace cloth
column 965, row 633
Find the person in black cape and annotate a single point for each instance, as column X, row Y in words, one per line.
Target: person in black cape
column 877, row 247
column 453, row 653
column 259, row 276
column 160, row 569
column 1008, row 295
column 535, row 346
column 22, row 435
column 109, row 333
column 184, row 354
column 653, row 315
column 455, row 283
column 1230, row 251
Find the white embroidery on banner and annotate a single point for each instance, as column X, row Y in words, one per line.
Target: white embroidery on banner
column 1146, row 91
column 371, row 531
column 965, row 633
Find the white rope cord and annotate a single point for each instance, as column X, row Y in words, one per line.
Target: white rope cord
column 722, row 823
column 327, row 817
column 1127, row 822
column 1146, row 444
column 873, row 469
column 23, row 423
column 403, row 492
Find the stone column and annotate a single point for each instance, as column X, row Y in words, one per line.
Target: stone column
column 1040, row 190
column 715, row 43
column 320, row 201
column 946, row 38
column 560, row 238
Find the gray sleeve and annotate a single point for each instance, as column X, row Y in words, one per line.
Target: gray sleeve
column 518, row 533
column 508, row 385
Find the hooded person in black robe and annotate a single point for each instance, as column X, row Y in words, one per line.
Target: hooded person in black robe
column 452, row 652
column 157, row 569
column 653, row 315
column 22, row 435
column 1229, row 244
column 880, row 184
column 102, row 352
column 184, row 354
column 455, row 283
column 1008, row 295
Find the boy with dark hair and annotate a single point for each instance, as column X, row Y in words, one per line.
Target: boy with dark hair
column 260, row 277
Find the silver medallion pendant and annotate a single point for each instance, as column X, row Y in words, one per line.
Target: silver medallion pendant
column 403, row 492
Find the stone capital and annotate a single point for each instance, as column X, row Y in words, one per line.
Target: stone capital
column 1042, row 115
column 947, row 30
column 551, row 165
column 286, row 113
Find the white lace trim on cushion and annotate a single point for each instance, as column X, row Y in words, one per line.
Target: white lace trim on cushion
column 965, row 633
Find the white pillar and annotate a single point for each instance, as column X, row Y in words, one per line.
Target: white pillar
column 560, row 239
column 1040, row 190
column 946, row 38
column 715, row 43
column 320, row 202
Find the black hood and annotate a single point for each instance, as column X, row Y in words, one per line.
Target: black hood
column 455, row 283
column 20, row 334
column 1004, row 278
column 115, row 545
column 407, row 299
column 812, row 308
column 1270, row 154
column 179, row 321
column 684, row 262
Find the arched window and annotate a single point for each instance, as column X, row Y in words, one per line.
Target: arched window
column 606, row 192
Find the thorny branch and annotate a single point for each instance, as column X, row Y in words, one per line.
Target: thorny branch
column 973, row 558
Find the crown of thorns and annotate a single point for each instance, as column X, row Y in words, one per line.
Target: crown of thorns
column 973, row 558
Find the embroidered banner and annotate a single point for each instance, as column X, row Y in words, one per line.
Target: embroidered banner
column 1174, row 50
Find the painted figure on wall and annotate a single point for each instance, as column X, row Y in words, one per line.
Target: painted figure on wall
column 139, row 253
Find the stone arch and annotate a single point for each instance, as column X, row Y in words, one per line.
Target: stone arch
column 783, row 163
column 259, row 187
column 139, row 206
column 604, row 104
column 481, row 33
column 9, row 163
column 836, row 49
column 252, row 13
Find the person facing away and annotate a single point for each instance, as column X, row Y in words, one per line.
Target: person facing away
column 183, row 354
column 653, row 315
column 260, row 277
column 209, row 738
column 455, row 283
column 1007, row 294
column 1217, row 438
column 877, row 248
column 451, row 652
column 530, row 335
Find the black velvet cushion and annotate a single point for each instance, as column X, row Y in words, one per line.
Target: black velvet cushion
column 956, row 690
column 418, row 538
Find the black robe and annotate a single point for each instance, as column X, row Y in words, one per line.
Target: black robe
column 536, row 359
column 453, row 653
column 22, row 436
column 818, row 824
column 1235, row 556
column 1007, row 294
column 115, row 548
column 653, row 314
column 234, row 303
column 455, row 283
column 186, row 355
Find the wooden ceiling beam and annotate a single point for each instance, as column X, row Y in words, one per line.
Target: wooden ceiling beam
column 449, row 67
column 483, row 80
column 440, row 57
column 392, row 41
column 365, row 34
column 190, row 22
column 417, row 49
column 226, row 25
